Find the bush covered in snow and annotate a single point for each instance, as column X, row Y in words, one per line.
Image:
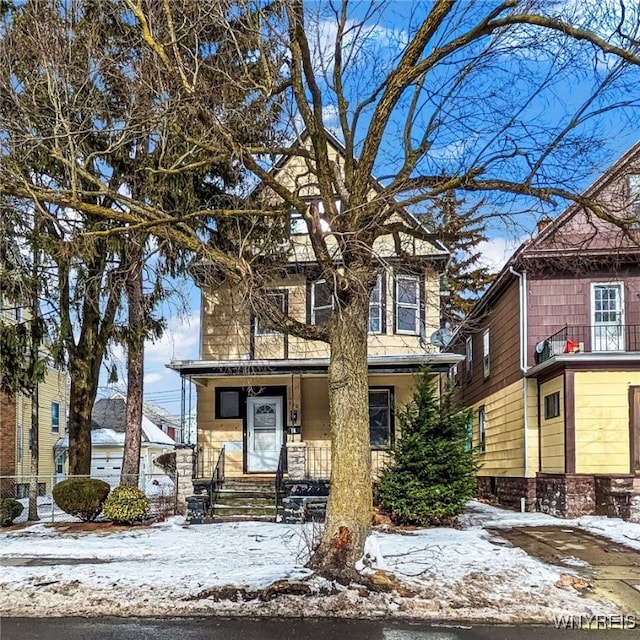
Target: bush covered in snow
column 81, row 497
column 127, row 505
column 10, row 509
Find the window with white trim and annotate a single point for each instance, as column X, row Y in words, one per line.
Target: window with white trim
column 634, row 195
column 486, row 363
column 376, row 307
column 407, row 304
column 55, row 417
column 278, row 298
column 469, row 357
column 321, row 302
column 482, row 428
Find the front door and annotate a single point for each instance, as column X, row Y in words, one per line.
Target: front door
column 264, row 433
column 608, row 317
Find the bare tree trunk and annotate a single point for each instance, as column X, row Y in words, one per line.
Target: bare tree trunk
column 81, row 400
column 350, row 506
column 35, row 452
column 135, row 372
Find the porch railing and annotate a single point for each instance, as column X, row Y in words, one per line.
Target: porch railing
column 217, row 478
column 318, row 462
column 599, row 338
column 282, row 469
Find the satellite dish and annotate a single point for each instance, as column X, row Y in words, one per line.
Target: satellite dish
column 441, row 337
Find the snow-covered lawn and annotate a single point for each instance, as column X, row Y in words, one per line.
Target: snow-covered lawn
column 173, row 569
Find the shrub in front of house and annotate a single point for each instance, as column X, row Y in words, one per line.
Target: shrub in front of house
column 432, row 473
column 81, row 497
column 127, row 505
column 10, row 509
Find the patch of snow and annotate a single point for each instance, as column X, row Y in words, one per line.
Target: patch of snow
column 455, row 574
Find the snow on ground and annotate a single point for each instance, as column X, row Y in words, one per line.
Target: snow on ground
column 173, row 569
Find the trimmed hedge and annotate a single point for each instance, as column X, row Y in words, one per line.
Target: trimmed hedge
column 81, row 497
column 10, row 509
column 127, row 505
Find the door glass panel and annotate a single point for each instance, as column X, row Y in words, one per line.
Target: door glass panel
column 264, row 417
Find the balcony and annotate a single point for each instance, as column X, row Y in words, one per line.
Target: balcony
column 598, row 339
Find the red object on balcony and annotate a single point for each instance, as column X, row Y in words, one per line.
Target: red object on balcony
column 572, row 347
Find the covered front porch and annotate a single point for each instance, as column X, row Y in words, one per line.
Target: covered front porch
column 262, row 419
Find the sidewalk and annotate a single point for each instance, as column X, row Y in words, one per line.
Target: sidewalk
column 477, row 573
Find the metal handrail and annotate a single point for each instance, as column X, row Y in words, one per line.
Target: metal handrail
column 282, row 469
column 217, row 478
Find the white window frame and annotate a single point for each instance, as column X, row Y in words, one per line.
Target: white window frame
column 415, row 307
column 633, row 181
column 55, row 427
column 380, row 304
column 469, row 357
column 482, row 428
column 486, row 360
column 314, row 308
column 620, row 323
column 275, row 293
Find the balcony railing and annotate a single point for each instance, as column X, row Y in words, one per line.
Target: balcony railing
column 600, row 338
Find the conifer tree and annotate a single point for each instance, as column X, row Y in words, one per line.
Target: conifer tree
column 462, row 229
column 432, row 473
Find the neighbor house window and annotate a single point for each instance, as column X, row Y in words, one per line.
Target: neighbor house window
column 485, row 354
column 228, row 403
column 634, row 194
column 482, row 428
column 408, row 304
column 60, row 464
column 376, row 308
column 469, row 356
column 279, row 299
column 321, row 302
column 55, row 417
column 297, row 224
column 552, row 405
column 380, row 417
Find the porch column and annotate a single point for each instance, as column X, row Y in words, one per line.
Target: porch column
column 184, row 476
column 296, row 460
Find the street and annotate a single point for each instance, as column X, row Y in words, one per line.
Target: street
column 278, row 629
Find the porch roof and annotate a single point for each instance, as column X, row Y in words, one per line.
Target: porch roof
column 406, row 363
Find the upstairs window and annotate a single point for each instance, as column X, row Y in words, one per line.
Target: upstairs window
column 469, row 357
column 634, row 195
column 297, row 224
column 408, row 304
column 376, row 308
column 321, row 302
column 485, row 354
column 55, row 417
column 279, row 299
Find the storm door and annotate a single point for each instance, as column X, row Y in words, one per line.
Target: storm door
column 264, row 433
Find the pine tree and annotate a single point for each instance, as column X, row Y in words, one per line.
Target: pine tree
column 432, row 473
column 462, row 230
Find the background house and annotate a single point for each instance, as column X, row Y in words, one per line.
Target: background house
column 552, row 360
column 108, row 420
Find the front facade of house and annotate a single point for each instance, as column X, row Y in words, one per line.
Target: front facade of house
column 552, row 362
column 261, row 394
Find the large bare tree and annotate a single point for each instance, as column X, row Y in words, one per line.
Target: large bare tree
column 430, row 97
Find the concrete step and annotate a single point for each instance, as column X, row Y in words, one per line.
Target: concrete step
column 244, row 510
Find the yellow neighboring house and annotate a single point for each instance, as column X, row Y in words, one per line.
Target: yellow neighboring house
column 552, row 361
column 262, row 396
column 15, row 427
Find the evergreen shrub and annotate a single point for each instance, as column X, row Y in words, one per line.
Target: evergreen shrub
column 10, row 509
column 127, row 505
column 432, row 471
column 81, row 497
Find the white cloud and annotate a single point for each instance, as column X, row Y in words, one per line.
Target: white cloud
column 496, row 251
column 180, row 341
column 153, row 378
